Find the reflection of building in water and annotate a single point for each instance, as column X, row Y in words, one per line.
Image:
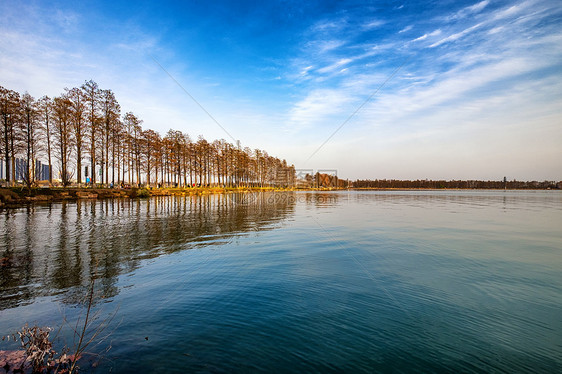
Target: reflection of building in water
column 55, row 249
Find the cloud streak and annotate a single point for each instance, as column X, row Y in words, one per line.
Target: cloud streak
column 468, row 11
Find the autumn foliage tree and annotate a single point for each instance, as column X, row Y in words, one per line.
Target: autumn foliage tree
column 86, row 121
column 63, row 135
column 44, row 112
column 91, row 93
column 9, row 111
column 30, row 129
column 78, row 125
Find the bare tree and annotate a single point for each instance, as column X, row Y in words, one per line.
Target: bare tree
column 63, row 135
column 186, row 157
column 92, row 96
column 29, row 113
column 133, row 124
column 110, row 111
column 116, row 134
column 45, row 105
column 78, row 124
column 151, row 146
column 9, row 102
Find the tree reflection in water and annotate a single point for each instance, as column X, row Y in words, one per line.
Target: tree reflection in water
column 56, row 249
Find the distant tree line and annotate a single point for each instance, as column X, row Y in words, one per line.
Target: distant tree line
column 455, row 184
column 82, row 131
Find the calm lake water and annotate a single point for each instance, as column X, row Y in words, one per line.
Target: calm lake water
column 432, row 281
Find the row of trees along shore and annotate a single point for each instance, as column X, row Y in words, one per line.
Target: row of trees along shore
column 82, row 131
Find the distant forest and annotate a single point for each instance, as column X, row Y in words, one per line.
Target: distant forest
column 82, row 136
column 323, row 180
column 455, row 184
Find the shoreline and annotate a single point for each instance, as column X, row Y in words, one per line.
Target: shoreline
column 15, row 197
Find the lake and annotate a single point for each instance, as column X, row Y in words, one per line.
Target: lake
column 346, row 281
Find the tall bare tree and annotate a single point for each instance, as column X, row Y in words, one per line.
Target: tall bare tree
column 151, row 147
column 116, row 133
column 63, row 135
column 110, row 112
column 92, row 97
column 9, row 102
column 29, row 113
column 45, row 105
column 78, row 123
column 133, row 124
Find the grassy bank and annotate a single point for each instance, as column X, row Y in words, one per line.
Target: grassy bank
column 16, row 196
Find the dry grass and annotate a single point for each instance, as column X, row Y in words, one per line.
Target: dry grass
column 38, row 354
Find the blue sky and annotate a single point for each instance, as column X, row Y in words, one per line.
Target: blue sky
column 473, row 88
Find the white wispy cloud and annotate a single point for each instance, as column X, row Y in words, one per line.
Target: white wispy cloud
column 335, row 66
column 304, row 71
column 318, row 105
column 329, row 25
column 456, row 36
column 425, row 36
column 477, row 7
column 510, row 11
column 373, row 24
column 468, row 11
column 406, row 29
column 324, row 46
